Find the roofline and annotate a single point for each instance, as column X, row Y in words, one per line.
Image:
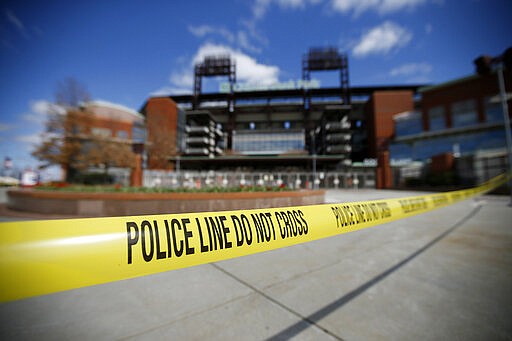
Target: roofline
column 298, row 93
column 290, row 93
column 448, row 83
column 120, row 107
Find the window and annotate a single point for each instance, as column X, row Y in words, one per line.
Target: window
column 464, row 113
column 493, row 109
column 122, row 134
column 436, row 118
column 268, row 142
column 103, row 132
column 408, row 123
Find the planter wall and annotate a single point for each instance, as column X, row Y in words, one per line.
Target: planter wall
column 122, row 204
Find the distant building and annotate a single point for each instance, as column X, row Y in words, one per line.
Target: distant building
column 114, row 121
column 97, row 122
column 463, row 117
column 299, row 126
column 295, row 126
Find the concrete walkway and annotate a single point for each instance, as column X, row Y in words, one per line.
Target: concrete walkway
column 442, row 275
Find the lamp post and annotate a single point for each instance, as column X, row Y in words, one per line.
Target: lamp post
column 313, row 142
column 504, row 105
column 483, row 66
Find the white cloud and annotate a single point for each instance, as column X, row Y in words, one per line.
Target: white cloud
column 32, row 139
column 260, row 7
column 241, row 38
column 244, row 42
column 203, row 30
column 182, row 79
column 357, row 7
column 17, row 23
column 411, row 69
column 14, row 20
column 169, row 90
column 253, row 32
column 39, row 111
column 247, row 68
column 5, row 127
column 36, row 119
column 389, row 6
column 382, row 39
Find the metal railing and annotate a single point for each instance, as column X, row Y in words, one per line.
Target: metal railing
column 364, row 178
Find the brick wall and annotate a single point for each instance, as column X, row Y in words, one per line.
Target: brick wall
column 161, row 123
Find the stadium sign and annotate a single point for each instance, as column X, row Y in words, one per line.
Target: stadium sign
column 290, row 85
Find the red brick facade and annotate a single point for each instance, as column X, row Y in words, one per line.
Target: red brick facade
column 161, row 123
column 471, row 88
column 381, row 108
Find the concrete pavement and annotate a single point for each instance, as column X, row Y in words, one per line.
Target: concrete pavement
column 446, row 274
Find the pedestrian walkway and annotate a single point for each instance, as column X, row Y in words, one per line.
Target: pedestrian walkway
column 445, row 274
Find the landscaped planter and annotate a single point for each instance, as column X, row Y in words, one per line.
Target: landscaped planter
column 122, row 204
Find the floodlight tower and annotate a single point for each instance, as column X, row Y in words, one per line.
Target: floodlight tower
column 211, row 66
column 324, row 59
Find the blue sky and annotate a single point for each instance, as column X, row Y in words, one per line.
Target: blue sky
column 125, row 51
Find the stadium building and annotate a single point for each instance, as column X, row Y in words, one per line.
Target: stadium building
column 287, row 127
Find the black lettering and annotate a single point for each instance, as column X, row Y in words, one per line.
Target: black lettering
column 159, row 254
column 350, row 214
column 147, row 255
column 237, row 225
column 204, row 248
column 131, row 241
column 216, row 232
column 301, row 214
column 375, row 211
column 367, row 212
column 282, row 231
column 269, row 216
column 264, row 227
column 247, row 227
column 300, row 228
column 359, row 214
column 187, row 234
column 225, row 230
column 385, row 211
column 169, row 242
column 336, row 213
column 287, row 224
column 177, row 251
column 259, row 227
column 212, row 240
column 293, row 223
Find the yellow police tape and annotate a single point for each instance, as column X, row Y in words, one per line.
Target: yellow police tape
column 43, row 257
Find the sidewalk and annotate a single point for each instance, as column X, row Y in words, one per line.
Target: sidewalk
column 446, row 274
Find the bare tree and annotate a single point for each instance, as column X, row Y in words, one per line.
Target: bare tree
column 71, row 93
column 63, row 141
column 69, row 140
column 106, row 152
